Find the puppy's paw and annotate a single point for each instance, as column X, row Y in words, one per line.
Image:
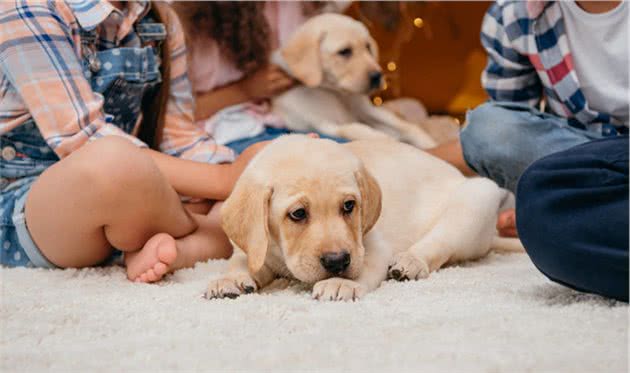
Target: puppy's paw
column 231, row 286
column 407, row 266
column 338, row 289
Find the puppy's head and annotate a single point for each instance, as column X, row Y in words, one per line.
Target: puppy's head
column 308, row 202
column 334, row 51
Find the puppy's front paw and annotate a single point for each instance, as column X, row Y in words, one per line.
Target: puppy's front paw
column 339, row 289
column 407, row 266
column 231, row 286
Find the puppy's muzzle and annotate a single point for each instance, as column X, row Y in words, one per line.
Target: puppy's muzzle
column 335, row 263
column 376, row 79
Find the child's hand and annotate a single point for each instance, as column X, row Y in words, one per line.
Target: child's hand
column 266, row 82
column 238, row 166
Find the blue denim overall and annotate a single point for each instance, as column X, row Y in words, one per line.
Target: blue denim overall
column 123, row 76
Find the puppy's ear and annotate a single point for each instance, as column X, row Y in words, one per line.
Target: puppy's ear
column 301, row 54
column 374, row 48
column 370, row 199
column 244, row 218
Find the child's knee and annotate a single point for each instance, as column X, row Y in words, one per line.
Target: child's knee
column 489, row 131
column 112, row 162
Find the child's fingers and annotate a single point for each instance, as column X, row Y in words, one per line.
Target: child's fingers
column 276, row 69
column 279, row 79
column 278, row 74
column 282, row 85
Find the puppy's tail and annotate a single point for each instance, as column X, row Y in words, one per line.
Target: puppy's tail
column 506, row 245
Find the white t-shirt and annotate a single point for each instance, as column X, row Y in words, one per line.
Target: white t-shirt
column 599, row 46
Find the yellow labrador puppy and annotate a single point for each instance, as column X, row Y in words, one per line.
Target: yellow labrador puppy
column 336, row 59
column 344, row 217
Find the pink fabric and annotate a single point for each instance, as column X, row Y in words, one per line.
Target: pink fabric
column 209, row 69
column 535, row 7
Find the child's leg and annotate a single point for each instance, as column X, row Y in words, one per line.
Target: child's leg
column 572, row 216
column 107, row 194
column 501, row 139
column 208, row 241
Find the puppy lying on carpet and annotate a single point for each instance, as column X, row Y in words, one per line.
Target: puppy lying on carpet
column 345, row 217
column 336, row 60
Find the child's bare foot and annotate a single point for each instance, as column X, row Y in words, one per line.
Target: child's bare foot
column 153, row 261
column 506, row 223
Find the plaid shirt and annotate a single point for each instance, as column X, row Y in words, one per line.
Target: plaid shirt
column 41, row 76
column 529, row 57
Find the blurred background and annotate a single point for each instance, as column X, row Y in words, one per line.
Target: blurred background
column 429, row 51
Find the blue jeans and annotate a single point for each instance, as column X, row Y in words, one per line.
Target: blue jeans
column 572, row 216
column 502, row 138
column 270, row 133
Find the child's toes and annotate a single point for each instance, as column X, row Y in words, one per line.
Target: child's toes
column 153, row 261
column 151, row 276
column 160, row 269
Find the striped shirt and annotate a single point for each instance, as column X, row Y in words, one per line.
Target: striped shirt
column 529, row 60
column 41, row 76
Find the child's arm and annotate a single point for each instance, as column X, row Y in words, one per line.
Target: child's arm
column 202, row 180
column 69, row 114
column 39, row 60
column 265, row 82
column 210, row 102
column 509, row 74
column 191, row 162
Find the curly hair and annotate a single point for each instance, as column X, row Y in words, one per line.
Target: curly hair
column 239, row 27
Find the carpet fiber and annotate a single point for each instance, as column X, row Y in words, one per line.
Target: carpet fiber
column 497, row 314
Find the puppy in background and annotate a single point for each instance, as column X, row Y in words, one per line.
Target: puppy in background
column 336, row 60
column 346, row 217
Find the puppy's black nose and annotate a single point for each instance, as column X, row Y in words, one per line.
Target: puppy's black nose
column 335, row 263
column 375, row 79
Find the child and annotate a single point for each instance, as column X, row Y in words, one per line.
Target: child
column 572, row 202
column 229, row 46
column 88, row 89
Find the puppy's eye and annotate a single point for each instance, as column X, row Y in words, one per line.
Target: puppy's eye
column 345, row 52
column 348, row 206
column 298, row 215
column 369, row 47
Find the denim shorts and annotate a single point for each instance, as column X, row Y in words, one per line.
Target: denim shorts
column 18, row 248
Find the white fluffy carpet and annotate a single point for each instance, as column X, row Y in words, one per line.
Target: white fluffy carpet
column 498, row 315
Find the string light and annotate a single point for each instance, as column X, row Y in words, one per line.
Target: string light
column 404, row 33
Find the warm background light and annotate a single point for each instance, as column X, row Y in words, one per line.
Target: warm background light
column 429, row 50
